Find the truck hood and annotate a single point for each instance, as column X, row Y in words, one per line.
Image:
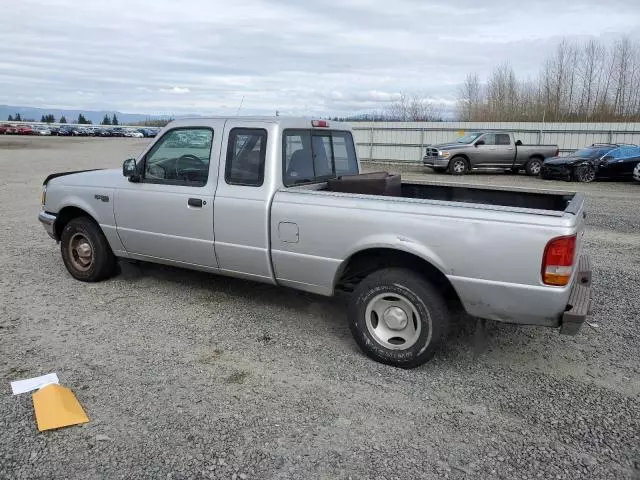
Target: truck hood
column 87, row 178
column 450, row 146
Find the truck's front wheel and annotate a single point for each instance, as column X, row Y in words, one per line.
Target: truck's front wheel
column 85, row 251
column 397, row 317
column 458, row 166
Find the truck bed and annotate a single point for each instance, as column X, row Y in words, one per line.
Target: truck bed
column 506, row 198
column 383, row 184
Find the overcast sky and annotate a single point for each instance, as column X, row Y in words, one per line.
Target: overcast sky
column 296, row 56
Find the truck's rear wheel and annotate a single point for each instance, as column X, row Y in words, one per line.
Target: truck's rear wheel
column 85, row 251
column 533, row 166
column 397, row 317
column 458, row 166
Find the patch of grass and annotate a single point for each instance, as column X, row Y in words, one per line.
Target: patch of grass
column 237, row 377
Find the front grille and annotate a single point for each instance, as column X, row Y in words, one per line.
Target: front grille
column 431, row 152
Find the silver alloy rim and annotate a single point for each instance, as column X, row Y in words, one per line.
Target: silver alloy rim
column 458, row 166
column 535, row 168
column 393, row 321
column 80, row 252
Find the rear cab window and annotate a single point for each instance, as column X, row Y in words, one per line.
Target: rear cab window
column 311, row 156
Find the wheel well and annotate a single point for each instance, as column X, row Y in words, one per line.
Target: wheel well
column 539, row 157
column 65, row 216
column 365, row 262
column 461, row 155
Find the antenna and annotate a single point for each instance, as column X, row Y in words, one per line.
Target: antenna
column 241, row 100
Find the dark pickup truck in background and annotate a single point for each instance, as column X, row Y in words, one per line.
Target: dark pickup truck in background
column 487, row 151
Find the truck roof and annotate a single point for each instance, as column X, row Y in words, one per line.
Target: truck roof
column 285, row 122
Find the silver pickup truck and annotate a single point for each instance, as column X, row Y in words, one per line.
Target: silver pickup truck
column 281, row 200
column 487, row 151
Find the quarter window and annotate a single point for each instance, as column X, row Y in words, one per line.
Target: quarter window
column 246, row 155
column 181, row 157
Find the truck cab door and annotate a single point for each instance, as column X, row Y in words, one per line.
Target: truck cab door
column 494, row 150
column 166, row 213
column 242, row 205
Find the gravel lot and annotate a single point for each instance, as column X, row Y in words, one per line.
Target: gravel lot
column 188, row 375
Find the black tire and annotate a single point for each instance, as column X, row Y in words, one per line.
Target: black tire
column 102, row 262
column 533, row 166
column 584, row 173
column 432, row 316
column 458, row 166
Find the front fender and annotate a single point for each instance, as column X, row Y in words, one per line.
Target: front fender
column 96, row 202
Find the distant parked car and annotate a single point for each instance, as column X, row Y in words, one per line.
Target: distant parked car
column 636, row 173
column 117, row 132
column 133, row 133
column 54, row 129
column 65, row 131
column 3, row 128
column 24, row 130
column 41, row 130
column 148, row 132
column 599, row 161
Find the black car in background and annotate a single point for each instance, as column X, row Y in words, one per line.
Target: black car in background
column 599, row 161
column 148, row 132
column 65, row 131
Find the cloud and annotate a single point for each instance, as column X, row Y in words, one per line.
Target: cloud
column 178, row 90
column 330, row 57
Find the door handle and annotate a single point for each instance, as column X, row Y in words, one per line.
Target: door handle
column 195, row 202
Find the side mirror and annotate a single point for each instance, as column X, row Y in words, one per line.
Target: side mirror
column 129, row 168
column 479, row 142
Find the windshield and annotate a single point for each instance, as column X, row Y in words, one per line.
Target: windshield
column 591, row 152
column 468, row 138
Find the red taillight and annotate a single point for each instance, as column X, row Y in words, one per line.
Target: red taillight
column 557, row 262
column 320, row 123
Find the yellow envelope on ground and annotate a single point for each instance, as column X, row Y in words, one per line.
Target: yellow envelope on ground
column 56, row 406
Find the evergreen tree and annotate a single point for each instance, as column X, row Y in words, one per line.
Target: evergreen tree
column 62, row 119
column 10, row 119
column 114, row 120
column 17, row 118
column 106, row 120
column 43, row 119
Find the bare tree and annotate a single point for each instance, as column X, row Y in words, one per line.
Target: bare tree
column 413, row 109
column 470, row 98
column 577, row 82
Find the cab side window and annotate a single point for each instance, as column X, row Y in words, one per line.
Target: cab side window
column 503, row 139
column 181, row 157
column 489, row 139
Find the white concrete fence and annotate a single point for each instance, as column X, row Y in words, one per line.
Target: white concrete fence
column 406, row 141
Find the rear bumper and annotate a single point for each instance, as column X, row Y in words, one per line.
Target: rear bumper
column 48, row 221
column 579, row 304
